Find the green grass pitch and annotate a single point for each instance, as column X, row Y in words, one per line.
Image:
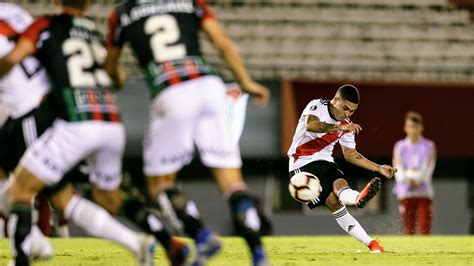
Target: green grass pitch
column 311, row 250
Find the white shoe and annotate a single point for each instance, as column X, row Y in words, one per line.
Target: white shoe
column 145, row 256
column 41, row 248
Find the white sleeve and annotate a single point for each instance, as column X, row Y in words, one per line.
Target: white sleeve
column 18, row 18
column 348, row 140
column 315, row 107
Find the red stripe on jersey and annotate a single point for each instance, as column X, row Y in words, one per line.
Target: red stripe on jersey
column 33, row 32
column 207, row 10
column 170, row 71
column 6, row 29
column 112, row 24
column 191, row 69
column 96, row 112
column 316, row 145
column 112, row 108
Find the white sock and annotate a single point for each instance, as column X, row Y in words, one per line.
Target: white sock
column 348, row 196
column 99, row 223
column 351, row 226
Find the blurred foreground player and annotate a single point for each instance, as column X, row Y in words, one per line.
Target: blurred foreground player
column 415, row 159
column 322, row 124
column 71, row 50
column 21, row 91
column 188, row 108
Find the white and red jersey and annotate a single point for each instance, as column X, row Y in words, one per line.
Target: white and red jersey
column 309, row 146
column 24, row 86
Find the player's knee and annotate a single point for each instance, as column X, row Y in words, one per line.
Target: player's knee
column 60, row 199
column 111, row 201
column 158, row 184
column 339, row 184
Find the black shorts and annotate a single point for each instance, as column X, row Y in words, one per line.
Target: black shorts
column 327, row 173
column 17, row 134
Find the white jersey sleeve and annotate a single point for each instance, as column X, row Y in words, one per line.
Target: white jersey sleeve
column 348, row 140
column 18, row 18
column 316, row 108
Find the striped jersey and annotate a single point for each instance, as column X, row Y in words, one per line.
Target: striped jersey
column 22, row 89
column 163, row 34
column 73, row 53
column 309, row 146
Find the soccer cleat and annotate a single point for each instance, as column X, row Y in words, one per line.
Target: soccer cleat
column 259, row 257
column 206, row 246
column 40, row 246
column 369, row 191
column 147, row 250
column 375, row 247
column 178, row 254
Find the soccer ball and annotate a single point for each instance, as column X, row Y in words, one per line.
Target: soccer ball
column 304, row 187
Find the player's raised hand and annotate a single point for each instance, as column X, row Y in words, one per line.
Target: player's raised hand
column 387, row 170
column 350, row 128
column 259, row 92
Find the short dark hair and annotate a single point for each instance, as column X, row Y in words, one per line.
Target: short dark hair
column 415, row 117
column 74, row 3
column 349, row 93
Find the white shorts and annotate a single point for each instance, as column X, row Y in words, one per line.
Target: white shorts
column 65, row 144
column 188, row 114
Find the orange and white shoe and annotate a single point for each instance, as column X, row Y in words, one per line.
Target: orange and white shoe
column 375, row 247
column 369, row 191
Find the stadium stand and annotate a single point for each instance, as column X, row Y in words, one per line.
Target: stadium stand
column 373, row 40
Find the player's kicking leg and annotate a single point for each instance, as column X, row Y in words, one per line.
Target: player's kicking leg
column 349, row 224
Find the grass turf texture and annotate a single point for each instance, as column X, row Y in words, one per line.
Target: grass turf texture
column 315, row 250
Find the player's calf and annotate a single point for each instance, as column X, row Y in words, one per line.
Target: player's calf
column 247, row 224
column 207, row 245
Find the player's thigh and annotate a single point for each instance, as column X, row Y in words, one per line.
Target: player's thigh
column 105, row 160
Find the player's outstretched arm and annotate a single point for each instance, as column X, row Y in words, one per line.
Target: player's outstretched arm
column 22, row 49
column 313, row 124
column 231, row 56
column 354, row 157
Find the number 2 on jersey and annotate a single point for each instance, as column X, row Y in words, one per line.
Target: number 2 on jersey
column 164, row 31
column 82, row 57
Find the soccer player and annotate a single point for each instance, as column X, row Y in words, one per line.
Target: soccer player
column 415, row 159
column 72, row 51
column 17, row 100
column 109, row 198
column 322, row 124
column 188, row 108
